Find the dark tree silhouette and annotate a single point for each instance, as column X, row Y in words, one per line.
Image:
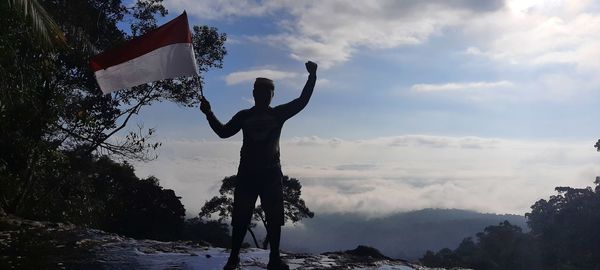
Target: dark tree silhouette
column 146, row 210
column 566, row 227
column 51, row 106
column 109, row 196
column 295, row 208
column 214, row 232
column 504, row 246
column 564, row 235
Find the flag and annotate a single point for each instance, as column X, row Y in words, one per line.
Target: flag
column 163, row 53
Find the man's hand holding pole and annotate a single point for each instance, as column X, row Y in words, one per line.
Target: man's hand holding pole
column 204, row 105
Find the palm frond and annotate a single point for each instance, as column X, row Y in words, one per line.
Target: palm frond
column 44, row 25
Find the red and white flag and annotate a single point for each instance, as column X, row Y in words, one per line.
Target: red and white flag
column 163, row 53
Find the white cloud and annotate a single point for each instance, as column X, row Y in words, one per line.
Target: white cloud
column 323, row 82
column 473, row 50
column 330, row 32
column 221, row 9
column 540, row 33
column 460, row 86
column 385, row 175
column 530, row 32
column 248, row 100
column 532, row 43
column 251, row 75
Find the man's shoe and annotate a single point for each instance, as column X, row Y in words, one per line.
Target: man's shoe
column 233, row 263
column 277, row 264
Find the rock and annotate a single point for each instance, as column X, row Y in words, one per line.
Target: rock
column 45, row 245
column 366, row 251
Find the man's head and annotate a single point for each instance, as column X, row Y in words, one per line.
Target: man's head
column 263, row 92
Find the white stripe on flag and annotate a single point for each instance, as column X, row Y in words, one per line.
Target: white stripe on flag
column 170, row 61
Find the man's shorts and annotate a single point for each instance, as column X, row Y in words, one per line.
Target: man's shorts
column 249, row 185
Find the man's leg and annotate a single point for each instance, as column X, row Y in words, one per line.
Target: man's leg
column 272, row 202
column 237, row 238
column 274, row 232
column 238, row 234
column 244, row 199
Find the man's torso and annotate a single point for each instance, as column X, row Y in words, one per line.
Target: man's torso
column 260, row 149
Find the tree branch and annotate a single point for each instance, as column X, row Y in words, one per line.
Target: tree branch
column 134, row 110
column 266, row 242
column 253, row 237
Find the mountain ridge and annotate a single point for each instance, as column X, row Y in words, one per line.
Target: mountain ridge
column 401, row 235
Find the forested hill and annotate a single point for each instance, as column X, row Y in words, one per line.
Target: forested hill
column 404, row 235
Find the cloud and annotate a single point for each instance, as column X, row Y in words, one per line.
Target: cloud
column 251, row 75
column 512, row 31
column 354, row 167
column 222, row 9
column 379, row 176
column 531, row 43
column 323, row 82
column 325, row 53
column 330, row 32
column 460, row 86
column 250, row 101
column 539, row 33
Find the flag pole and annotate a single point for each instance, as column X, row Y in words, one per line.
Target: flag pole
column 201, row 91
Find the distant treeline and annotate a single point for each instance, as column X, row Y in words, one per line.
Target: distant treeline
column 564, row 234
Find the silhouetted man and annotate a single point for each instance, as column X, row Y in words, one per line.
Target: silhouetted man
column 259, row 172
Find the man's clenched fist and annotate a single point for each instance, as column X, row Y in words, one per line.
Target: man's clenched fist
column 311, row 67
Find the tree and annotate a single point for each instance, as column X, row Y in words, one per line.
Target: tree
column 148, row 211
column 500, row 247
column 214, row 232
column 294, row 207
column 120, row 202
column 51, row 108
column 41, row 21
column 107, row 195
column 505, row 246
column 566, row 226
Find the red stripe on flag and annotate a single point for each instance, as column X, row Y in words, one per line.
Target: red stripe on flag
column 172, row 32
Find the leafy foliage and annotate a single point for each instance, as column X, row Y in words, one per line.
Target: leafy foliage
column 504, row 246
column 55, row 121
column 214, row 232
column 566, row 227
column 295, row 208
column 120, row 202
column 564, row 235
column 41, row 21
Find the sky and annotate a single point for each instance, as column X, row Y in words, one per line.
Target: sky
column 479, row 105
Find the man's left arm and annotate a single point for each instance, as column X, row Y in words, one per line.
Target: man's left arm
column 295, row 106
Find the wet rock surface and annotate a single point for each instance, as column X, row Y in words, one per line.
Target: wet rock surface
column 26, row 244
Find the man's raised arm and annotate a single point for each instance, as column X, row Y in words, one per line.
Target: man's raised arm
column 295, row 106
column 223, row 131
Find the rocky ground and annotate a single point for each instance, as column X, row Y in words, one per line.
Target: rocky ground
column 26, row 244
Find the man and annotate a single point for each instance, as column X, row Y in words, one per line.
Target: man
column 259, row 171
